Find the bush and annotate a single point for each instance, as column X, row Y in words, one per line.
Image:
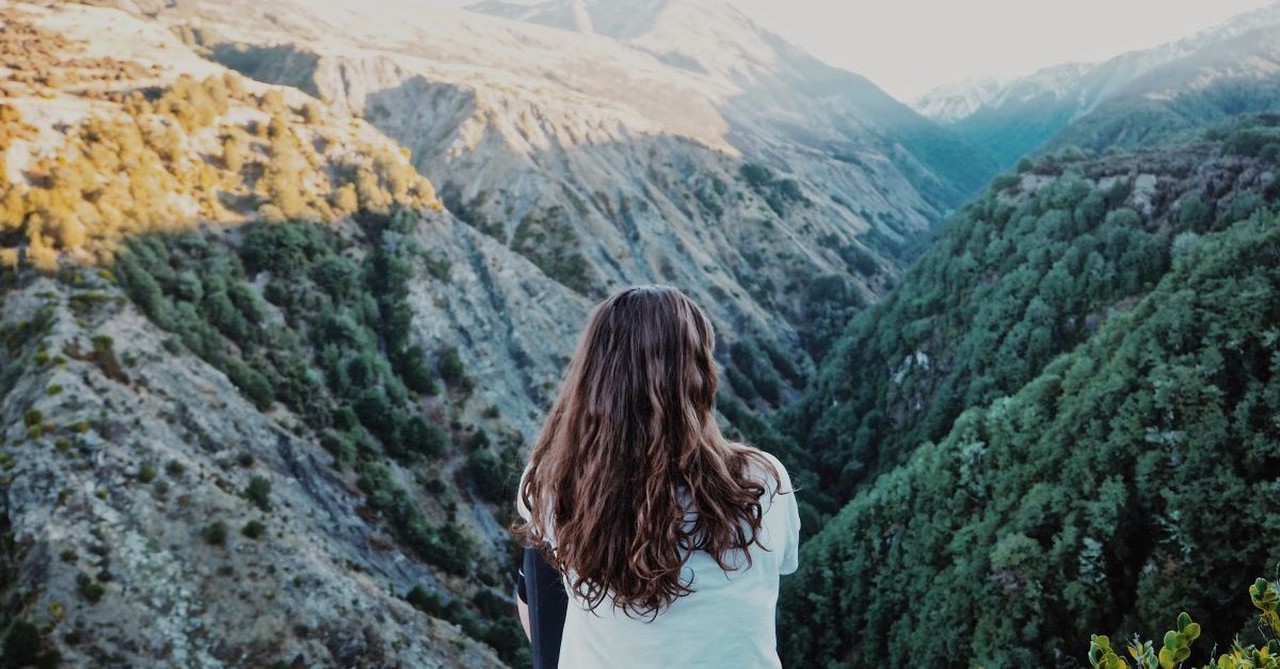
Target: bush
column 1003, row 181
column 22, row 646
column 451, row 368
column 215, row 534
column 259, row 492
column 254, row 530
column 424, row 437
column 485, row 468
column 89, row 588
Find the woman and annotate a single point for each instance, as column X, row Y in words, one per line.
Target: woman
column 669, row 538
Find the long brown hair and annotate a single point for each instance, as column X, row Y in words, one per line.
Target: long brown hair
column 633, row 422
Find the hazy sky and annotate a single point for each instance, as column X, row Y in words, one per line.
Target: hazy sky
column 909, row 46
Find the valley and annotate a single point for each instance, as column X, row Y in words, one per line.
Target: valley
column 288, row 287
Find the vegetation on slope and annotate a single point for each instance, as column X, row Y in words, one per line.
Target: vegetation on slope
column 1026, row 272
column 329, row 338
column 1090, row 441
column 1132, row 476
column 1135, row 121
column 164, row 157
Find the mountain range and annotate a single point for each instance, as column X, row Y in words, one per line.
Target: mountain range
column 288, row 287
column 1185, row 85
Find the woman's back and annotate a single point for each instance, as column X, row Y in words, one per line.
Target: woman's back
column 670, row 537
column 727, row 621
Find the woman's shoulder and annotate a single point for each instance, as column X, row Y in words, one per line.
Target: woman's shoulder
column 775, row 481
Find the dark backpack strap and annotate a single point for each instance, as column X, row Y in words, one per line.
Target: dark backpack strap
column 543, row 591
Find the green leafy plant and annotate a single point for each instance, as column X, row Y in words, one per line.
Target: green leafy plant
column 1176, row 646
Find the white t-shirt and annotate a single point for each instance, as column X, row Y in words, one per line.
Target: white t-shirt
column 728, row 620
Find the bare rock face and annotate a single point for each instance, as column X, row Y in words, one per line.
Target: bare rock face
column 614, row 143
column 157, row 516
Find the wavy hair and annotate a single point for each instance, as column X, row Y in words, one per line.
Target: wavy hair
column 632, row 424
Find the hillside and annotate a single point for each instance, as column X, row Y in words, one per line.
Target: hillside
column 287, row 289
column 1049, row 429
column 227, row 433
column 1237, row 76
column 1023, row 274
column 1017, row 117
column 657, row 152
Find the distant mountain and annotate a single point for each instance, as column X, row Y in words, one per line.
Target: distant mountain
column 1015, row 117
column 1238, row 75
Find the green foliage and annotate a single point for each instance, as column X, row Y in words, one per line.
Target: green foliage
column 1004, row 181
column 215, row 533
column 1013, row 282
column 1245, row 105
column 1113, row 484
column 24, row 646
column 548, row 239
column 493, row 480
column 779, row 194
column 444, row 546
column 501, row 631
column 451, row 368
column 254, row 530
column 89, row 588
column 259, row 493
column 1176, row 646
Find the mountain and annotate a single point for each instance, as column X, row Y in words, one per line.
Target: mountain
column 1016, row 117
column 241, row 338
column 287, row 287
column 1048, row 429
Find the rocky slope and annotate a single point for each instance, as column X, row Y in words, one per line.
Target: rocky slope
column 170, row 496
column 132, row 541
column 682, row 144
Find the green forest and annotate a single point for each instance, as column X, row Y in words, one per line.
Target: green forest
column 1065, row 422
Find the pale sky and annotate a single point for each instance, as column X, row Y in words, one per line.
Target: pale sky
column 909, row 46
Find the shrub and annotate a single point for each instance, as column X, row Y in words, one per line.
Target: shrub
column 215, row 534
column 254, row 530
column 259, row 492
column 22, row 646
column 485, row 468
column 33, row 417
column 451, row 368
column 1003, row 181
column 89, row 588
column 146, row 473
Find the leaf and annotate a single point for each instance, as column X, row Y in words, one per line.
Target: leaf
column 1184, row 619
column 1166, row 659
column 1192, row 632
